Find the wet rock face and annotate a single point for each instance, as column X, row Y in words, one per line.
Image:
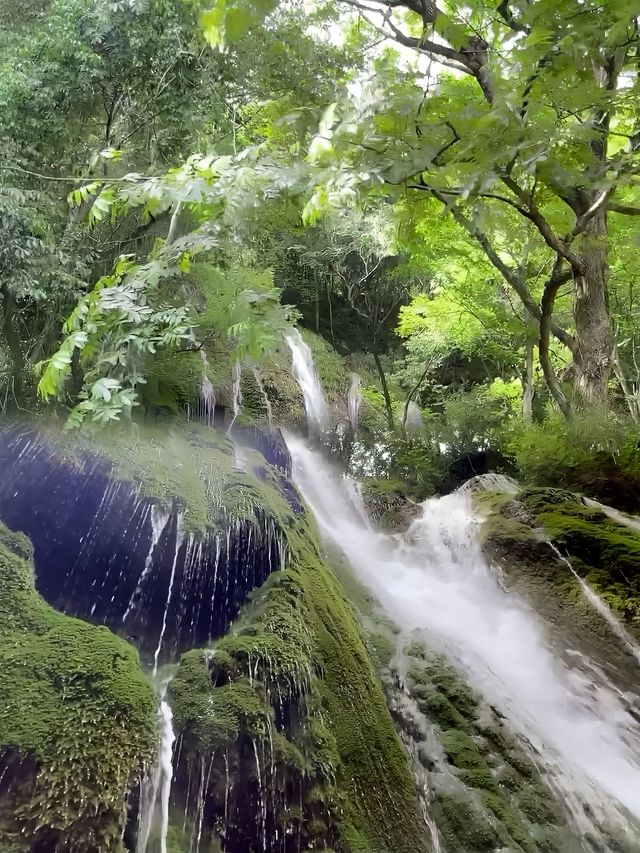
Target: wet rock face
column 77, row 721
column 106, row 553
column 388, row 507
column 537, row 538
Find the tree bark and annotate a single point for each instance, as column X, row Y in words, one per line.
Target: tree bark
column 527, row 384
column 385, row 391
column 592, row 353
column 13, row 342
column 632, row 399
column 546, row 307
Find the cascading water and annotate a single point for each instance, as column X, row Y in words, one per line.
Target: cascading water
column 633, row 523
column 156, row 788
column 305, row 373
column 599, row 605
column 207, row 402
column 178, row 546
column 413, row 419
column 267, row 401
column 237, row 393
column 435, row 582
column 354, row 400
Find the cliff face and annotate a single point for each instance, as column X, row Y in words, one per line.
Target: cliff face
column 200, row 554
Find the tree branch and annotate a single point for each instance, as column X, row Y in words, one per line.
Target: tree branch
column 510, row 276
column 548, row 298
column 626, row 209
column 507, row 16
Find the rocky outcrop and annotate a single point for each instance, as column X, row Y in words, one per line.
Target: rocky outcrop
column 199, row 551
column 539, row 537
column 77, row 722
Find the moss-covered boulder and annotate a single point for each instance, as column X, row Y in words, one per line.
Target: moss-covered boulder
column 388, row 506
column 539, row 538
column 486, row 793
column 286, row 713
column 77, row 720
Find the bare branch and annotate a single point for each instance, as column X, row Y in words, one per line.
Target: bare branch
column 626, row 209
column 507, row 16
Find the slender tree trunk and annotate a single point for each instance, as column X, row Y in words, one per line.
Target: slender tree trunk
column 385, row 391
column 13, row 342
column 592, row 354
column 527, row 384
column 546, row 308
column 631, row 398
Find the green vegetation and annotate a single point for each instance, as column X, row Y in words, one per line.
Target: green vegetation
column 486, row 792
column 78, row 720
column 299, row 639
column 443, row 198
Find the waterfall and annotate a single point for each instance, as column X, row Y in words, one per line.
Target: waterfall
column 159, row 520
column 267, row 401
column 207, row 403
column 156, row 789
column 435, row 583
column 179, row 540
column 413, row 419
column 237, row 393
column 354, row 400
column 609, row 617
column 629, row 521
column 305, row 373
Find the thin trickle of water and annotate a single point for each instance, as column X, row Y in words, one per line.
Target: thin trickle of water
column 354, row 400
column 237, row 393
column 179, row 540
column 159, row 519
column 207, row 403
column 166, row 767
column 629, row 521
column 159, row 782
column 305, row 373
column 267, row 401
column 607, row 614
column 263, row 802
column 435, row 582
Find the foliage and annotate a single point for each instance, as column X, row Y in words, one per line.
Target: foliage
column 80, row 716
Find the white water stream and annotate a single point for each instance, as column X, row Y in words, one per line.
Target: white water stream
column 354, row 401
column 435, row 582
column 207, row 402
column 237, row 393
column 156, row 788
column 305, row 373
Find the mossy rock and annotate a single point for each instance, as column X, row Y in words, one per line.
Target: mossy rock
column 295, row 674
column 602, row 551
column 77, row 725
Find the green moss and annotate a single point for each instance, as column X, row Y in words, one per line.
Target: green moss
column 299, row 638
column 604, row 552
column 462, row 825
column 79, row 712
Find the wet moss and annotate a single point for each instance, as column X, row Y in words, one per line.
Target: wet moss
column 299, row 644
column 491, row 785
column 79, row 719
column 602, row 551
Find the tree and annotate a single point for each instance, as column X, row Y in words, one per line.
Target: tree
column 539, row 118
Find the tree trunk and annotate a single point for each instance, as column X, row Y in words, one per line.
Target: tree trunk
column 385, row 391
column 546, row 312
column 527, row 384
column 592, row 354
column 632, row 399
column 13, row 342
